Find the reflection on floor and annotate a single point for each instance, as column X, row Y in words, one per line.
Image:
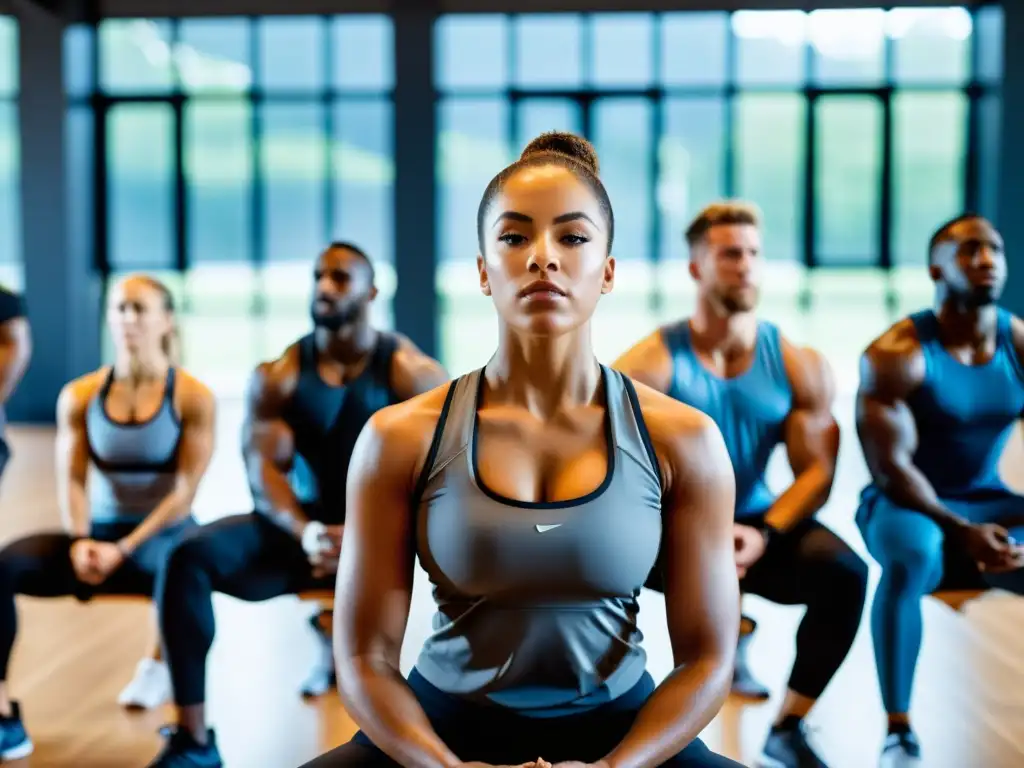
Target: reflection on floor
column 71, row 660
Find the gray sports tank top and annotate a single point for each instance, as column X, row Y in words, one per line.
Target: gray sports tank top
column 133, row 463
column 537, row 601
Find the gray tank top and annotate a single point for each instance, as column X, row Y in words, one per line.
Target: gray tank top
column 537, row 601
column 133, row 463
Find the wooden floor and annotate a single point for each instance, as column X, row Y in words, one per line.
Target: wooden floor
column 72, row 660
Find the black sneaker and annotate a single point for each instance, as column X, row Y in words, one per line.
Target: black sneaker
column 744, row 684
column 14, row 741
column 789, row 748
column 322, row 677
column 183, row 751
column 901, row 750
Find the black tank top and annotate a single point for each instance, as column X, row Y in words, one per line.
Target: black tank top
column 326, row 421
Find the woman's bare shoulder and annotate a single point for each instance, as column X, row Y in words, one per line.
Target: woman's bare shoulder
column 403, row 432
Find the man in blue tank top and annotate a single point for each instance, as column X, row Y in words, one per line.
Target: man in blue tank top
column 936, row 514
column 304, row 413
column 763, row 391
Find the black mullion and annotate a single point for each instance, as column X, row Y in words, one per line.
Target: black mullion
column 972, row 160
column 512, row 95
column 327, row 105
column 656, row 127
column 729, row 113
column 258, row 196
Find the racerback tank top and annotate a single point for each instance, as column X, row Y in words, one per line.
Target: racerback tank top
column 749, row 409
column 133, row 463
column 964, row 413
column 537, row 601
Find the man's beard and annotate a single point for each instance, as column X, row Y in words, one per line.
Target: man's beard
column 743, row 301
column 334, row 321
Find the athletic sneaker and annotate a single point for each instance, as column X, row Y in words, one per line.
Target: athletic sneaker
column 788, row 747
column 901, row 750
column 322, row 677
column 14, row 741
column 183, row 751
column 150, row 687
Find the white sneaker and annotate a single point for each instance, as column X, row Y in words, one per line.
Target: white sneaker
column 150, row 687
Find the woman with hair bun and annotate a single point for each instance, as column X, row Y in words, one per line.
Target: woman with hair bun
column 537, row 492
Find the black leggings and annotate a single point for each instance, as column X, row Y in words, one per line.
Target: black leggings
column 497, row 736
column 40, row 566
column 809, row 565
column 245, row 556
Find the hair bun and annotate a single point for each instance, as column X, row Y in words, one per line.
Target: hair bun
column 562, row 143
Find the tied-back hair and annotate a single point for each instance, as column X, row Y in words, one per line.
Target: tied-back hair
column 171, row 342
column 721, row 213
column 567, row 150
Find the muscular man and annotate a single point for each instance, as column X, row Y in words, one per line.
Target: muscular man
column 15, row 353
column 762, row 390
column 304, row 413
column 939, row 393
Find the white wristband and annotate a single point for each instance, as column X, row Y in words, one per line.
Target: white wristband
column 311, row 537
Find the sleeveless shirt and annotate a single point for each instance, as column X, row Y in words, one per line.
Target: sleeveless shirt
column 965, row 413
column 537, row 601
column 750, row 409
column 133, row 463
column 326, row 421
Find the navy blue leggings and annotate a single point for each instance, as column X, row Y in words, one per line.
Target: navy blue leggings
column 917, row 560
column 497, row 736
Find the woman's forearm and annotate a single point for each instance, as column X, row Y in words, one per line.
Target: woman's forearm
column 381, row 702
column 74, row 510
column 675, row 714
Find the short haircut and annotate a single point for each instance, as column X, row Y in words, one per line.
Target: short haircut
column 943, row 233
column 345, row 245
column 721, row 213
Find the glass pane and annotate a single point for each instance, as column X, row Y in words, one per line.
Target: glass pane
column 624, row 143
column 847, row 179
column 80, row 154
column 291, row 53
column 214, row 55
column 79, row 77
column 218, row 178
column 472, row 148
column 364, row 190
column 770, row 47
column 693, row 48
column 136, row 56
column 691, row 162
column 928, row 151
column 988, row 37
column 293, row 162
column 471, row 51
column 549, row 50
column 770, row 162
column 364, row 52
column 848, row 46
column 990, row 130
column 622, row 49
column 10, row 185
column 140, row 175
column 930, row 45
column 8, row 56
column 537, row 116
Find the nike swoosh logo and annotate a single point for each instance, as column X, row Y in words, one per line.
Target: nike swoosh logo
column 544, row 528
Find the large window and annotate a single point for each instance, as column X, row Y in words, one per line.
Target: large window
column 235, row 149
column 855, row 131
column 11, row 273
